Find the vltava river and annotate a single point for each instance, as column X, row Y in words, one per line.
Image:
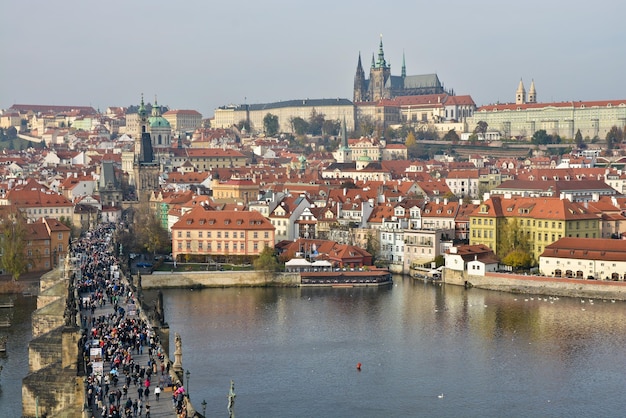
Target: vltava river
column 426, row 351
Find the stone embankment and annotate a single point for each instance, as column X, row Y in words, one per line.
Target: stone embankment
column 200, row 279
column 539, row 285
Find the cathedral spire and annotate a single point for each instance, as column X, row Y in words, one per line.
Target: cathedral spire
column 520, row 94
column 532, row 93
column 373, row 62
column 142, row 107
column 403, row 66
column 359, row 67
column 344, row 134
column 381, row 54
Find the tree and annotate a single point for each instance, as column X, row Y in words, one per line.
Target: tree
column 614, row 137
column 270, row 124
column 267, row 262
column 451, row 136
column 372, row 246
column 518, row 259
column 578, row 139
column 243, row 124
column 481, row 128
column 316, row 122
column 366, row 126
column 13, row 243
column 299, row 125
column 411, row 145
column 331, row 128
column 11, row 132
column 541, row 137
column 511, row 237
column 148, row 231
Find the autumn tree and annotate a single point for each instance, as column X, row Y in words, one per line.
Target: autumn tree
column 511, row 237
column 13, row 243
column 411, row 145
column 518, row 259
column 149, row 233
column 270, row 124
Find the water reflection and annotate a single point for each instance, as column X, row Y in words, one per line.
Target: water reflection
column 293, row 351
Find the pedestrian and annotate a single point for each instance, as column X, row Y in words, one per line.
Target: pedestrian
column 140, row 392
column 157, row 392
column 146, row 393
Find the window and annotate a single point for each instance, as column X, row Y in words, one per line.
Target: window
column 226, row 234
column 188, row 234
column 219, row 234
column 208, row 234
column 241, row 235
column 200, row 245
column 188, row 245
column 180, row 246
column 255, row 234
column 180, row 234
column 60, row 235
column 199, row 234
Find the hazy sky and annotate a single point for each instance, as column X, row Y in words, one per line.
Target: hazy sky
column 201, row 54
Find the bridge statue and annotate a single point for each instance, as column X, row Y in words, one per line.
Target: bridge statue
column 178, row 354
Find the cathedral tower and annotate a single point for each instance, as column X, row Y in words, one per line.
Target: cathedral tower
column 360, row 89
column 532, row 94
column 379, row 74
column 520, row 94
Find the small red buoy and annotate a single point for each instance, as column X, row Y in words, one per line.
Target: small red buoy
column 358, row 366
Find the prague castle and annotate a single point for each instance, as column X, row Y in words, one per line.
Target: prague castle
column 382, row 85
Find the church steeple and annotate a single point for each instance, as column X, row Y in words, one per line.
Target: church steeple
column 359, row 83
column 403, row 74
column 520, row 94
column 381, row 63
column 156, row 110
column 532, row 93
column 373, row 62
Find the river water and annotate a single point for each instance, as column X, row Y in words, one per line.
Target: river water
column 426, row 351
column 293, row 352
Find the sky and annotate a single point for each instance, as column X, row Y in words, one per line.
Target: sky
column 200, row 54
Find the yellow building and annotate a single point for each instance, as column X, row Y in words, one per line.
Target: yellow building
column 538, row 221
column 183, row 120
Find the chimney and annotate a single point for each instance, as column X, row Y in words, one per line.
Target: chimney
column 445, row 201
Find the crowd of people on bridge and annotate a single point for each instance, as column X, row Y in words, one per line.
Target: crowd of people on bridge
column 118, row 384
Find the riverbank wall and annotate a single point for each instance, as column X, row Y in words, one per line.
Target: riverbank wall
column 202, row 279
column 539, row 285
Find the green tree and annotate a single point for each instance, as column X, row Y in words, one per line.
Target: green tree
column 270, row 124
column 541, row 137
column 331, row 127
column 299, row 125
column 518, row 259
column 411, row 145
column 243, row 124
column 578, row 139
column 316, row 122
column 13, row 243
column 267, row 262
column 614, row 137
column 451, row 136
column 11, row 132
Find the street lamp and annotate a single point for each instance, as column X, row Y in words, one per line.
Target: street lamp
column 203, row 408
column 187, row 374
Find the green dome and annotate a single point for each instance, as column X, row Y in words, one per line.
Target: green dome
column 158, row 122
